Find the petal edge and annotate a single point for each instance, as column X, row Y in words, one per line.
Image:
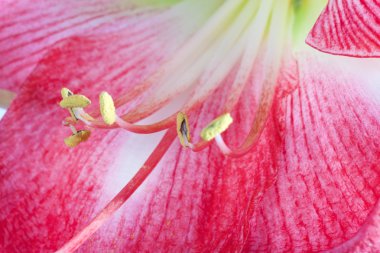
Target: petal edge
column 350, row 28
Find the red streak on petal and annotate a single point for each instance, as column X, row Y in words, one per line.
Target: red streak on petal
column 123, row 195
column 29, row 30
column 328, row 160
column 367, row 239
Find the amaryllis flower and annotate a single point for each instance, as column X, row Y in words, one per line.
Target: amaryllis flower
column 190, row 126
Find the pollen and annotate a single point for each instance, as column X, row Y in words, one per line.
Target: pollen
column 217, row 126
column 183, row 129
column 77, row 138
column 65, row 92
column 75, row 101
column 107, row 108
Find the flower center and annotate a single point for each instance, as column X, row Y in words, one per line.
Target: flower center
column 240, row 33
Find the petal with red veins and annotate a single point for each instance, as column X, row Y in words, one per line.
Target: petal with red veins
column 29, row 29
column 367, row 239
column 348, row 27
column 320, row 138
column 329, row 161
column 198, row 201
column 195, row 201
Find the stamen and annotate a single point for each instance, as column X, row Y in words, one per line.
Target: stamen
column 107, row 108
column 183, row 130
column 196, row 56
column 134, row 128
column 80, row 114
column 222, row 145
column 145, row 129
column 183, row 133
column 65, row 93
column 216, row 127
column 75, row 101
column 73, row 129
column 109, row 116
column 77, row 138
column 199, row 146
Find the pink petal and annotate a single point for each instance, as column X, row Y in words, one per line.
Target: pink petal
column 348, row 27
column 367, row 238
column 29, row 29
column 329, row 161
column 191, row 201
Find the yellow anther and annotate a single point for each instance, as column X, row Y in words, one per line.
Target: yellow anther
column 107, row 108
column 217, row 126
column 75, row 101
column 65, row 92
column 183, row 129
column 77, row 138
